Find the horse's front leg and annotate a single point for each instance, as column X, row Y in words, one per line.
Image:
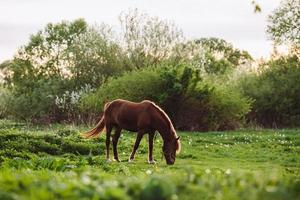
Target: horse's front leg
column 115, row 143
column 150, row 153
column 136, row 145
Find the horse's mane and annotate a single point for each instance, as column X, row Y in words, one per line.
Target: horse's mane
column 166, row 117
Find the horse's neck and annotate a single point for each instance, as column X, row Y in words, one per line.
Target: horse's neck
column 165, row 132
column 163, row 126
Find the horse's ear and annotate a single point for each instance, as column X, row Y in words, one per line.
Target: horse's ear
column 178, row 138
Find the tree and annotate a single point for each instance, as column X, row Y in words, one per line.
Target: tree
column 220, row 48
column 61, row 59
column 95, row 57
column 284, row 23
column 221, row 56
column 46, row 53
column 148, row 40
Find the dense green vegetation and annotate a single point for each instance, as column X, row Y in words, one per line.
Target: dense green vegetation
column 276, row 93
column 56, row 162
column 68, row 70
column 181, row 91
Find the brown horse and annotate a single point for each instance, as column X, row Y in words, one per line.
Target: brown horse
column 144, row 117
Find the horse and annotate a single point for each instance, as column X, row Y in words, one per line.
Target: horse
column 144, row 118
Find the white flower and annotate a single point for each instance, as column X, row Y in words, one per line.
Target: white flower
column 86, row 179
column 228, row 172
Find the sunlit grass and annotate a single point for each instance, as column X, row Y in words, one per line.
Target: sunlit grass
column 57, row 163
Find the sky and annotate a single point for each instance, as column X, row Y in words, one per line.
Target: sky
column 232, row 20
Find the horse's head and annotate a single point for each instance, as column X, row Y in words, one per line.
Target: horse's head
column 170, row 149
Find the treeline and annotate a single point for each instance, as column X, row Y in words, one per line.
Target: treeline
column 69, row 70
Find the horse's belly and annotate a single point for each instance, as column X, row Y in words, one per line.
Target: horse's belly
column 128, row 124
column 130, row 129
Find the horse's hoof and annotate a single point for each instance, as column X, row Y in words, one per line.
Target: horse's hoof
column 116, row 159
column 108, row 160
column 151, row 162
column 130, row 160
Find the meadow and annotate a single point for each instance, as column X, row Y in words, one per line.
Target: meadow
column 55, row 162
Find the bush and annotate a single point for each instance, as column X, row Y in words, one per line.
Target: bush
column 5, row 97
column 159, row 189
column 211, row 106
column 276, row 93
column 133, row 86
column 37, row 101
column 193, row 103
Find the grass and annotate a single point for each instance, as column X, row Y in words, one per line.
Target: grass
column 54, row 162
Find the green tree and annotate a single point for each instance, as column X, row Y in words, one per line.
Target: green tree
column 59, row 63
column 95, row 57
column 148, row 40
column 224, row 50
column 284, row 24
column 46, row 53
column 276, row 92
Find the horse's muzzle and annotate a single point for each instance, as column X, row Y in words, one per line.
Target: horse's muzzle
column 170, row 162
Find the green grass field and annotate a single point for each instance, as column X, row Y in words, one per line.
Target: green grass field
column 56, row 163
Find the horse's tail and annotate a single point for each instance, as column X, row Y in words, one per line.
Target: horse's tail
column 98, row 128
column 95, row 131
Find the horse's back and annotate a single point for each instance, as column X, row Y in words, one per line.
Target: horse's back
column 121, row 103
column 128, row 115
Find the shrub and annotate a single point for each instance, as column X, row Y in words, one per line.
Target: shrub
column 207, row 105
column 229, row 107
column 37, row 101
column 133, row 86
column 276, row 93
column 193, row 103
column 5, row 97
column 158, row 188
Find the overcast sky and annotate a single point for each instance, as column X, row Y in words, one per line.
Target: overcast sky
column 232, row 20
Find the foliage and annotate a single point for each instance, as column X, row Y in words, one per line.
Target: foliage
column 48, row 75
column 134, row 86
column 46, row 53
column 284, row 23
column 191, row 102
column 275, row 92
column 64, row 58
column 228, row 108
column 257, row 8
column 69, row 70
column 158, row 188
column 5, row 97
column 149, row 60
column 38, row 71
column 148, row 40
column 34, row 164
column 95, row 56
column 37, row 102
column 220, row 48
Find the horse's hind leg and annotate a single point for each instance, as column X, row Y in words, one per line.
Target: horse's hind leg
column 108, row 132
column 115, row 143
column 136, row 145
